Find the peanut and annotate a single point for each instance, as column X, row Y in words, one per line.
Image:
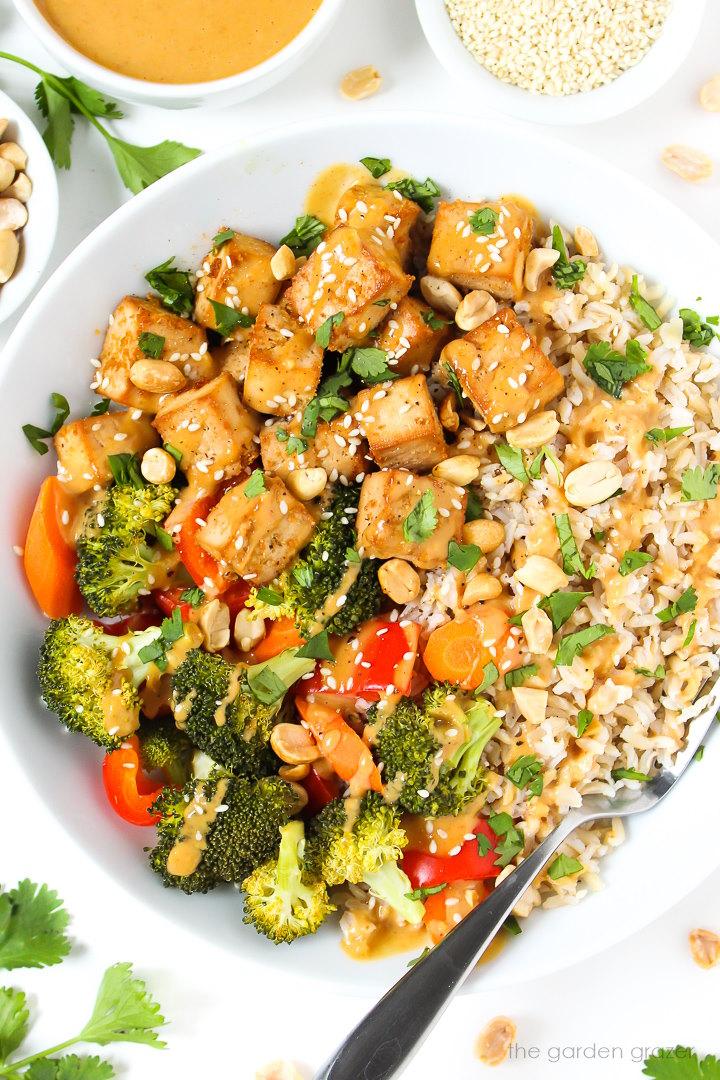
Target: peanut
column 14, row 154
column 494, row 1042
column 13, row 214
column 440, row 294
column 475, row 308
column 361, row 83
column 214, row 622
column 157, row 376
column 592, row 483
column 21, row 188
column 294, row 744
column 157, row 466
column 538, row 430
column 248, row 632
column 484, row 532
column 481, row 587
column 7, row 174
column 541, row 574
column 687, row 162
column 531, row 703
column 307, row 484
column 585, row 242
column 705, row 948
column 448, row 413
column 538, row 262
column 538, row 630
column 9, row 251
column 283, row 263
column 399, row 580
column 461, row 469
column 710, row 94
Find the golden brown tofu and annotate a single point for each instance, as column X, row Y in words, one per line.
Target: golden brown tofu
column 495, row 262
column 349, row 274
column 413, row 336
column 257, row 536
column 401, row 424
column 284, row 363
column 83, row 447
column 238, row 275
column 211, row 427
column 333, row 448
column 377, row 211
column 388, row 498
column 184, row 345
column 232, row 356
column 503, row 372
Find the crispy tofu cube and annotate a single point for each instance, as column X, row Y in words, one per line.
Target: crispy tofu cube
column 503, row 371
column 233, row 355
column 83, row 447
column 257, row 536
column 185, row 345
column 333, row 449
column 284, row 363
column 495, row 262
column 401, row 425
column 377, row 211
column 349, row 274
column 238, row 275
column 409, row 339
column 388, row 498
column 211, row 427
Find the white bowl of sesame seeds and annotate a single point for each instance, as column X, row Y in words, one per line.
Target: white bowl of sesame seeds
column 561, row 61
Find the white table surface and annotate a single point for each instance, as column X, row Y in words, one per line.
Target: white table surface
column 588, row 1021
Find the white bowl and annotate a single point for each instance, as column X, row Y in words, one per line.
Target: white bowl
column 635, row 85
column 218, row 92
column 38, row 236
column 259, row 187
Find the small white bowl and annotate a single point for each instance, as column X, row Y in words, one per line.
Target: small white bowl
column 38, row 236
column 635, row 85
column 220, row 92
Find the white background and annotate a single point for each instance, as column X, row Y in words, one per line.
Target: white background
column 644, row 992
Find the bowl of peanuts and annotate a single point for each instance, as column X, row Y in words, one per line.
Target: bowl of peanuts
column 28, row 207
column 561, row 61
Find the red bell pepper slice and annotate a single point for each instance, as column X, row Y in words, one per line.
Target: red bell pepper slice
column 426, row 871
column 200, row 565
column 322, row 786
column 389, row 652
column 130, row 791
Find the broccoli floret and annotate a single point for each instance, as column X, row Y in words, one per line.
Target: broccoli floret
column 392, row 885
column 320, row 569
column 229, row 712
column 90, row 679
column 218, row 830
column 261, row 609
column 165, row 749
column 281, row 901
column 414, row 744
column 123, row 551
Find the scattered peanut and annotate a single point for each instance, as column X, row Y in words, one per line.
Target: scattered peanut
column 248, row 632
column 21, row 188
column 494, row 1042
column 537, row 431
column 13, row 214
column 541, row 574
column 484, row 532
column 592, row 483
column 361, row 83
column 14, row 154
column 293, row 772
column 475, row 308
column 9, row 251
column 399, row 580
column 214, row 622
column 440, row 294
column 300, row 797
column 7, row 174
column 307, row 484
column 481, row 587
column 531, row 703
column 157, row 466
column 585, row 242
column 283, row 263
column 538, row 262
column 687, row 162
column 294, row 744
column 538, row 630
column 461, row 469
column 710, row 94
column 157, row 376
column 705, row 948
column 448, row 413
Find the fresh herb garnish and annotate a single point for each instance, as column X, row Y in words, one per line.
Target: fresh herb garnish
column 424, row 193
column 255, row 484
column 698, row 332
column 433, row 320
column 536, row 466
column 699, row 753
column 629, row 774
column 303, row 575
column 454, row 384
column 33, row 925
column 296, row 445
column 561, row 605
column 327, row 403
column 681, row 1063
column 584, row 720
column 483, row 221
column 512, row 839
column 174, row 286
column 270, row 596
column 511, row 459
column 512, row 926
column 222, row 238
column 428, row 890
column 193, row 596
column 100, row 407
column 700, row 485
column 599, row 536
column 416, row 959
column 316, row 648
column 526, row 772
column 162, row 536
column 352, row 556
column 376, row 166
column 227, row 319
column 563, row 866
column 422, row 520
column 484, row 845
column 36, row 435
column 572, row 559
column 305, row 235
column 646, row 311
column 125, row 469
column 574, row 644
column 566, row 272
column 611, row 370
column 369, row 364
column 171, row 630
column 151, row 344
column 647, row 673
column 323, row 333
column 474, row 508
column 690, row 634
column 266, row 686
column 684, row 603
column 520, row 675
column 666, row 434
column 633, row 560
column 490, row 676
column 173, row 452
column 463, row 556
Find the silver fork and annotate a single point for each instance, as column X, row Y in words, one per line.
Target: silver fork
column 383, row 1043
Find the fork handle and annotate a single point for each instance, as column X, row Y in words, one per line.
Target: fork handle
column 384, row 1041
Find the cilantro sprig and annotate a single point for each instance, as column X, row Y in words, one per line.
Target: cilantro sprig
column 305, row 235
column 422, row 192
column 572, row 559
column 643, row 309
column 422, row 520
column 566, row 272
column 611, row 370
column 36, row 436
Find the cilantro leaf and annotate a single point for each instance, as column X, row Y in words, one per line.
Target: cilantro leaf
column 699, row 485
column 422, row 520
column 520, row 675
column 270, row 596
column 526, row 772
column 646, row 311
column 563, row 866
column 424, row 193
column 463, row 556
column 483, row 221
column 697, row 332
column 584, row 720
column 665, row 435
column 351, row 556
column 173, row 285
column 490, row 676
column 14, row 1016
column 323, row 333
column 255, row 484
column 173, row 452
column 633, row 560
column 36, row 435
column 151, row 344
column 484, row 845
column 648, row 673
column 681, row 1063
column 141, row 166
column 193, row 596
column 684, row 603
column 474, row 508
column 124, row 1011
column 326, row 404
column 690, row 634
column 171, row 630
column 629, row 774
column 574, row 644
column 610, row 369
column 512, row 839
column 511, row 459
column 376, row 166
column 317, row 648
column 371, row 365
column 227, row 319
column 59, row 126
column 33, row 925
column 572, row 559
column 454, row 384
column 70, row 1067
column 125, row 469
column 305, row 235
column 427, row 890
column 222, row 238
column 266, row 686
column 566, row 272
column 561, row 605
column 433, row 320
column 100, row 407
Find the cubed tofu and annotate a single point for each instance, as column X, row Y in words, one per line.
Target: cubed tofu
column 333, row 448
column 238, row 275
column 401, row 424
column 232, row 356
column 83, row 447
column 503, row 371
column 495, row 262
column 184, row 345
column 257, row 536
column 211, row 427
column 350, row 274
column 284, row 363
column 388, row 498
column 377, row 211
column 408, row 337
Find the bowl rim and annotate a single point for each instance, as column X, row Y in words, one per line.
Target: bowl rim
column 127, row 86
column 623, row 93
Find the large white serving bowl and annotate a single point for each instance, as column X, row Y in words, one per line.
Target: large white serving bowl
column 259, row 186
column 218, row 92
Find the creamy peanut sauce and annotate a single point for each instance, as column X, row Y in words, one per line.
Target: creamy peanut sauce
column 329, row 186
column 331, row 605
column 200, row 814
column 186, row 43
column 117, row 718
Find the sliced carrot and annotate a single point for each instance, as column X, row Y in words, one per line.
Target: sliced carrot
column 341, row 747
column 49, row 560
column 458, row 651
column 283, row 634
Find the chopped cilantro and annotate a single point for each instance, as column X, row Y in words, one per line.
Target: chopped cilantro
column 633, row 560
column 561, row 605
column 566, row 272
column 629, row 774
column 305, row 235
column 433, row 320
column 376, row 166
column 255, row 484
column 463, row 556
column 424, row 193
column 316, row 648
column 490, row 676
column 574, row 644
column 666, row 434
column 520, row 675
column 174, row 286
column 563, row 866
column 646, row 311
column 422, row 520
column 511, row 459
column 684, row 603
column 222, row 238
column 483, row 221
column 697, row 332
column 427, row 890
column 151, row 344
column 611, row 370
column 228, row 319
column 584, row 720
column 700, row 485
column 324, row 332
column 572, row 559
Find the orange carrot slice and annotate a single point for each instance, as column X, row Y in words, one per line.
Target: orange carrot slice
column 342, row 747
column 458, row 651
column 283, row 634
column 49, row 560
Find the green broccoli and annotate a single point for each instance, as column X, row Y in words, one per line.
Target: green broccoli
column 229, row 712
column 218, row 830
column 318, row 572
column 91, row 679
column 281, row 901
column 432, row 753
column 123, row 550
column 165, row 749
